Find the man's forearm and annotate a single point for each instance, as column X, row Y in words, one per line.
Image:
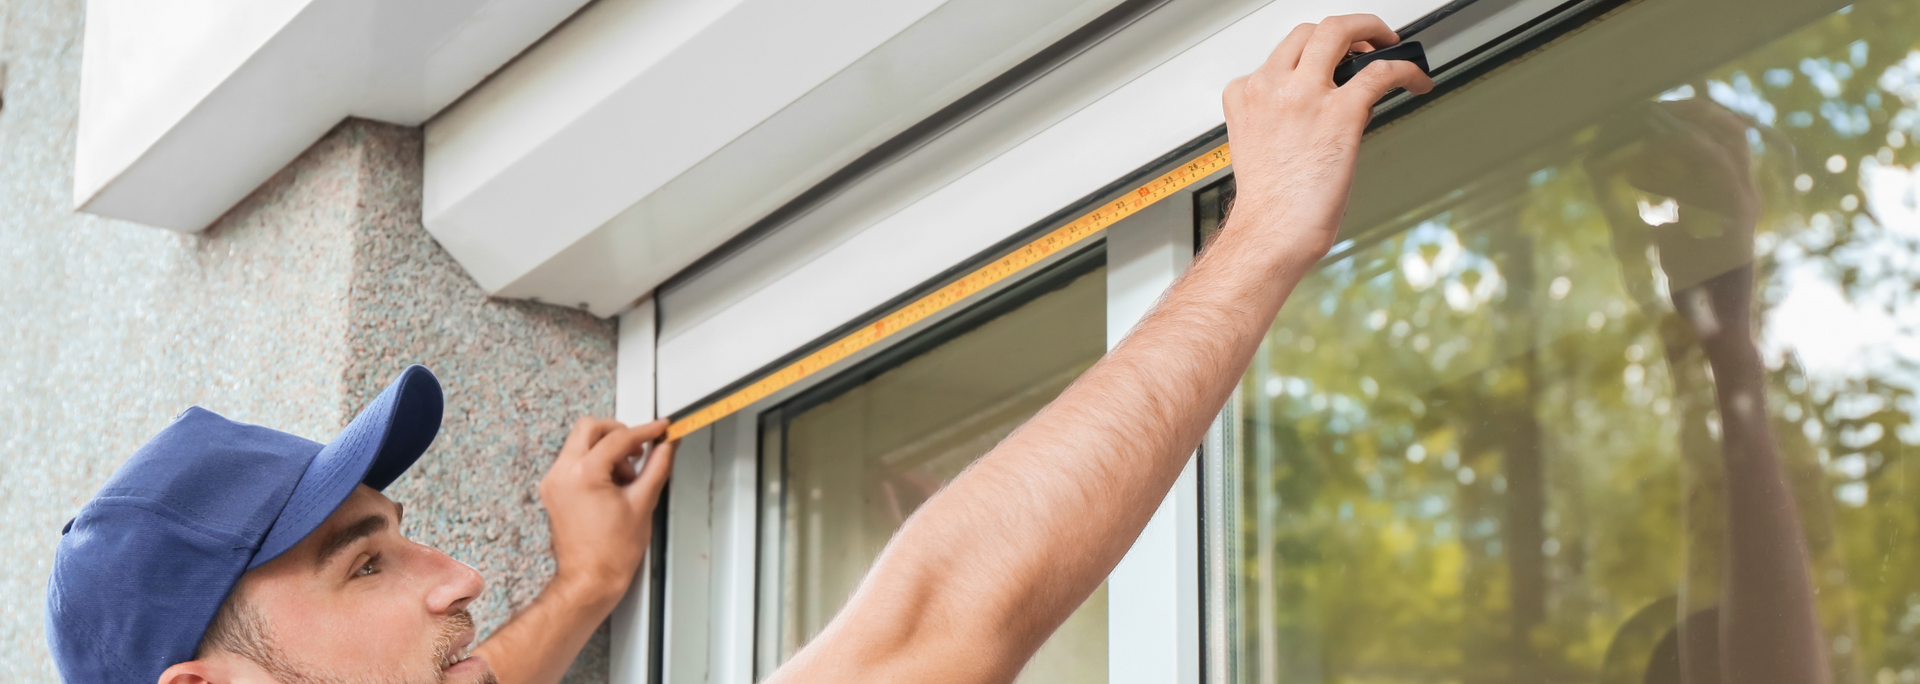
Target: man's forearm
column 540, row 641
column 1005, row 548
column 1770, row 626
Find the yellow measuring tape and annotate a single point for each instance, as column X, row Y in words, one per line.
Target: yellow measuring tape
column 1048, row 245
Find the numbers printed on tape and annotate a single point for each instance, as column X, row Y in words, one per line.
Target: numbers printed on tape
column 953, row 293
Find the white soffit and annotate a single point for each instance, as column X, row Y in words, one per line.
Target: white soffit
column 1077, row 143
column 186, row 106
column 644, row 133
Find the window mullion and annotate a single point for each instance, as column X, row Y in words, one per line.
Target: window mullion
column 1153, row 614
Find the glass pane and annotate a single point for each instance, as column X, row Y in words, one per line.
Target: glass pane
column 1616, row 384
column 856, row 461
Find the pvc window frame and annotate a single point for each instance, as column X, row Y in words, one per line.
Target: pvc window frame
column 691, row 618
column 776, row 419
column 708, row 610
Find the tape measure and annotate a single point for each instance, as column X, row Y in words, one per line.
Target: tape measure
column 957, row 291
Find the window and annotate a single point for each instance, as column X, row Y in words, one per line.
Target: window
column 846, row 462
column 1611, row 379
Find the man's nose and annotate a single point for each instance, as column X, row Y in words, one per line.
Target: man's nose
column 456, row 584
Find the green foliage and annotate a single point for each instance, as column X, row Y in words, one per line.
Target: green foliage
column 1503, row 372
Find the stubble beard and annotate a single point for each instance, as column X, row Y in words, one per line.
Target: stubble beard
column 270, row 658
column 457, row 624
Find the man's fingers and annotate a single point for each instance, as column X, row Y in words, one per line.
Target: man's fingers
column 618, row 446
column 1287, row 54
column 653, row 429
column 623, row 473
column 586, row 432
column 1333, row 37
column 1710, row 115
column 1373, row 82
column 1724, row 129
column 653, row 475
column 647, row 433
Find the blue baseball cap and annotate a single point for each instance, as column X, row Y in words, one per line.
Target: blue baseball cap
column 141, row 571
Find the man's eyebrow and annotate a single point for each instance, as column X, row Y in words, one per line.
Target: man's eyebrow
column 340, row 538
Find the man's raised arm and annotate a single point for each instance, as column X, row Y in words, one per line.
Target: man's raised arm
column 980, row 576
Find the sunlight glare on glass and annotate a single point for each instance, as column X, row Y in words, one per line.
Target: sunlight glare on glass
column 1667, row 211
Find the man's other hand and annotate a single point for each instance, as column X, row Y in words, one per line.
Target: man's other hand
column 601, row 508
column 1296, row 136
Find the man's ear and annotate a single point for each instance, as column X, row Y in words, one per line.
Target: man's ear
column 192, row 672
column 220, row 667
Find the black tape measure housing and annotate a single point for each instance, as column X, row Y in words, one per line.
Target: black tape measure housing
column 1409, row 51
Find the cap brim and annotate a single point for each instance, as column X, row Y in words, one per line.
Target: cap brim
column 374, row 449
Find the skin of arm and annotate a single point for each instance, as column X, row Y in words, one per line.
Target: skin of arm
column 985, row 571
column 601, row 512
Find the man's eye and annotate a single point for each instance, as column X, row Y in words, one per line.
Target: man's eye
column 370, row 567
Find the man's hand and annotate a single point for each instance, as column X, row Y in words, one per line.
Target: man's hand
column 1699, row 157
column 600, row 508
column 1295, row 135
column 989, row 567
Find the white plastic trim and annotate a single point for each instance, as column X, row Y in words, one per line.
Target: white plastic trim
column 736, row 548
column 1153, row 596
column 646, row 132
column 633, row 372
column 187, row 106
column 633, row 403
column 689, row 606
column 1132, row 124
column 711, row 545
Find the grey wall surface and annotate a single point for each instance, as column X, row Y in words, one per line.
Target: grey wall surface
column 292, row 311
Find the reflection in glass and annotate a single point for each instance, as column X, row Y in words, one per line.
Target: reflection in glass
column 846, row 464
column 1629, row 404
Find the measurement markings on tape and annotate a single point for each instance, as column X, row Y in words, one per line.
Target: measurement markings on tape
column 1000, row 269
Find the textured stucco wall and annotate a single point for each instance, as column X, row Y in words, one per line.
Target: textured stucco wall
column 292, row 311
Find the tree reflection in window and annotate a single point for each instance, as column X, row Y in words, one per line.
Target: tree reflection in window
column 1636, row 406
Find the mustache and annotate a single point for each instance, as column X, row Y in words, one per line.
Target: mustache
column 457, row 625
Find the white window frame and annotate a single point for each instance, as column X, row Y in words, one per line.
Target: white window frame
column 714, row 511
column 1153, row 595
column 1041, row 159
column 1156, row 610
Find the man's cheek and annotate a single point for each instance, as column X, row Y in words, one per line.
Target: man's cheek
column 379, row 639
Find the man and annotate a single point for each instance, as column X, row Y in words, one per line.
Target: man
column 223, row 553
column 231, row 553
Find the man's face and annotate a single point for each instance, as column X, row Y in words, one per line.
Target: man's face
column 357, row 602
